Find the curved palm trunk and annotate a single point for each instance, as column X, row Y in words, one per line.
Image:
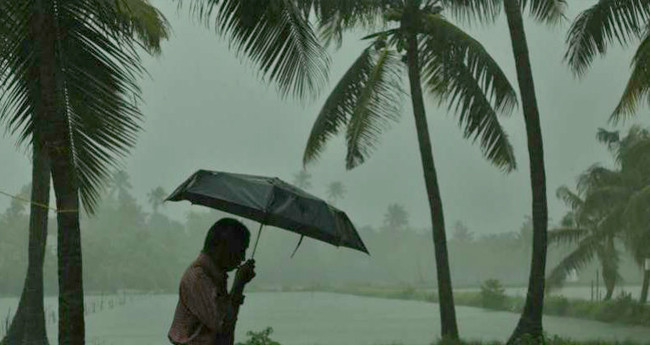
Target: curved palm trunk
column 610, row 283
column 28, row 325
column 644, row 288
column 446, row 297
column 51, row 108
column 530, row 322
column 609, row 268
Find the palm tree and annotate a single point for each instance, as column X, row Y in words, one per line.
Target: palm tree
column 335, row 191
column 629, row 190
column 453, row 67
column 119, row 183
column 525, row 236
column 302, row 179
column 462, row 233
column 396, row 218
column 70, row 69
column 605, row 23
column 17, row 204
column 156, row 198
column 584, row 226
column 623, row 193
column 550, row 12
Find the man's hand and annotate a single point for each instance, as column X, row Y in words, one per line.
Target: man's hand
column 245, row 273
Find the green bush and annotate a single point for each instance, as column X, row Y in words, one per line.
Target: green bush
column 493, row 295
column 621, row 308
column 556, row 305
column 260, row 338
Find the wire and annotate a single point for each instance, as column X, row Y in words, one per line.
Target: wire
column 37, row 204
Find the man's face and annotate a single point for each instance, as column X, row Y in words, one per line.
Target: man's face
column 232, row 254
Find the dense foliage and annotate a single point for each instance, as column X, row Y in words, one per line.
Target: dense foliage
column 128, row 246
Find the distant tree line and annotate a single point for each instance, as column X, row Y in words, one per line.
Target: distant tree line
column 131, row 246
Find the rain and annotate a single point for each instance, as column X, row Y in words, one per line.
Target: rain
column 377, row 230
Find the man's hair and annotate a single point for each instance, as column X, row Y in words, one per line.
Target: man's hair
column 225, row 229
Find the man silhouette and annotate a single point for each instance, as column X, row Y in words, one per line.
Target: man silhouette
column 206, row 312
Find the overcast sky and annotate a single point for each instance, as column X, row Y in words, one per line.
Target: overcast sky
column 205, row 109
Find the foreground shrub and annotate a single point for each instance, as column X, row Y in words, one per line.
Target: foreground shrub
column 260, row 338
column 493, row 295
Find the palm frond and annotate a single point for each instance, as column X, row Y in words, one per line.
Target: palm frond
column 602, row 24
column 337, row 16
column 97, row 69
column 467, row 11
column 568, row 220
column 338, row 107
column 637, row 211
column 100, row 68
column 458, row 70
column 18, row 82
column 638, row 86
column 140, row 20
column 442, row 38
column 610, row 138
column 597, row 176
column 369, row 79
column 276, row 36
column 634, row 155
column 602, row 198
column 570, row 198
column 377, row 105
column 567, row 235
column 576, row 260
column 635, row 239
column 547, row 11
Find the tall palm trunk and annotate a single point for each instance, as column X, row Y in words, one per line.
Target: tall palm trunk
column 446, row 297
column 28, row 325
column 644, row 288
column 530, row 322
column 50, row 108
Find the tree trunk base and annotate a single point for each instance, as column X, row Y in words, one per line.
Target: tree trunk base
column 527, row 332
column 20, row 333
column 609, row 295
column 28, row 324
column 644, row 288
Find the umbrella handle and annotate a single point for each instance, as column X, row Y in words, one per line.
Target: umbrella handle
column 259, row 232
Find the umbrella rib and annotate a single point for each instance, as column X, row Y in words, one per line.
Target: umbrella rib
column 298, row 245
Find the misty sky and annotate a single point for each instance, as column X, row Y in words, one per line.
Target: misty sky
column 205, row 109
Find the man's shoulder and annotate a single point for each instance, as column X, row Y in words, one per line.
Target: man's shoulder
column 196, row 271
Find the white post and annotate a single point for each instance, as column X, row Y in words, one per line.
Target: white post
column 647, row 264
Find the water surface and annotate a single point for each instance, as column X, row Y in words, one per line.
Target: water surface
column 326, row 318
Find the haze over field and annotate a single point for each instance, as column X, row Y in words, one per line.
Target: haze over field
column 206, row 109
column 456, row 253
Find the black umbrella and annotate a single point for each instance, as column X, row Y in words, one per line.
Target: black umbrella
column 270, row 201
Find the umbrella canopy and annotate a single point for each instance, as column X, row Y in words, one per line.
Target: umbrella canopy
column 270, row 201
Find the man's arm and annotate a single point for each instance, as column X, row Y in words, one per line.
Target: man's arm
column 244, row 275
column 236, row 298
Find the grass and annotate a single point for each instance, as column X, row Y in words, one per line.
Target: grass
column 263, row 338
column 620, row 310
column 548, row 341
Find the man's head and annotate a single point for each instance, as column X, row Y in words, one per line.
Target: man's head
column 226, row 243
